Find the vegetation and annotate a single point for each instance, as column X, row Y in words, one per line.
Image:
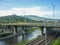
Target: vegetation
column 55, row 42
column 31, row 29
column 14, row 19
column 3, row 35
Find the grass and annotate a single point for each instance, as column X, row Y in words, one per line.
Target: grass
column 55, row 42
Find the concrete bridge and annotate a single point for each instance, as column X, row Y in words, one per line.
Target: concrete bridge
column 46, row 24
column 43, row 25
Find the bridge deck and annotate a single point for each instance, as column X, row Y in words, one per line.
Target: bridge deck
column 47, row 24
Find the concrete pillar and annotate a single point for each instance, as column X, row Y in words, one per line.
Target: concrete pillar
column 41, row 31
column 45, row 35
column 14, row 30
column 44, row 30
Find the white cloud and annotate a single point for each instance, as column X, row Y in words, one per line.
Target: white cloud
column 27, row 11
column 5, row 13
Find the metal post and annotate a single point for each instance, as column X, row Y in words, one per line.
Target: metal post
column 53, row 12
column 44, row 22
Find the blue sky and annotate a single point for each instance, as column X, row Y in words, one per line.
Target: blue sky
column 42, row 8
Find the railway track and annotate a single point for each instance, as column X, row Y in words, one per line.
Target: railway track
column 48, row 39
column 41, row 41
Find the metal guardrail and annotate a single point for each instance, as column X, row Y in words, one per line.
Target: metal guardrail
column 33, row 24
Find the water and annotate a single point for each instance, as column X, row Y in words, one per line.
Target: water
column 15, row 40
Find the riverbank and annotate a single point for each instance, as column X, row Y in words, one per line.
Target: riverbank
column 20, row 40
column 6, row 36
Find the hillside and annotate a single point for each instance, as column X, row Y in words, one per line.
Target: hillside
column 15, row 18
column 27, row 18
column 41, row 19
column 36, row 18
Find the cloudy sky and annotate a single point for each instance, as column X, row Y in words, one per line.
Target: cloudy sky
column 43, row 8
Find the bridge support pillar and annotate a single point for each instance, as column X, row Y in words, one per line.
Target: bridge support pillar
column 15, row 29
column 43, row 30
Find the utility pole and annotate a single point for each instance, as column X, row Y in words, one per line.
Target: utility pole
column 53, row 12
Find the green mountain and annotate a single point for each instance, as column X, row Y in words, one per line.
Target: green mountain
column 14, row 19
column 37, row 18
column 41, row 19
column 27, row 18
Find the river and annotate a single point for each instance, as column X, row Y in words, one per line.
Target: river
column 19, row 39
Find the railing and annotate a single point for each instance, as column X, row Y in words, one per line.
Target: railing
column 33, row 24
